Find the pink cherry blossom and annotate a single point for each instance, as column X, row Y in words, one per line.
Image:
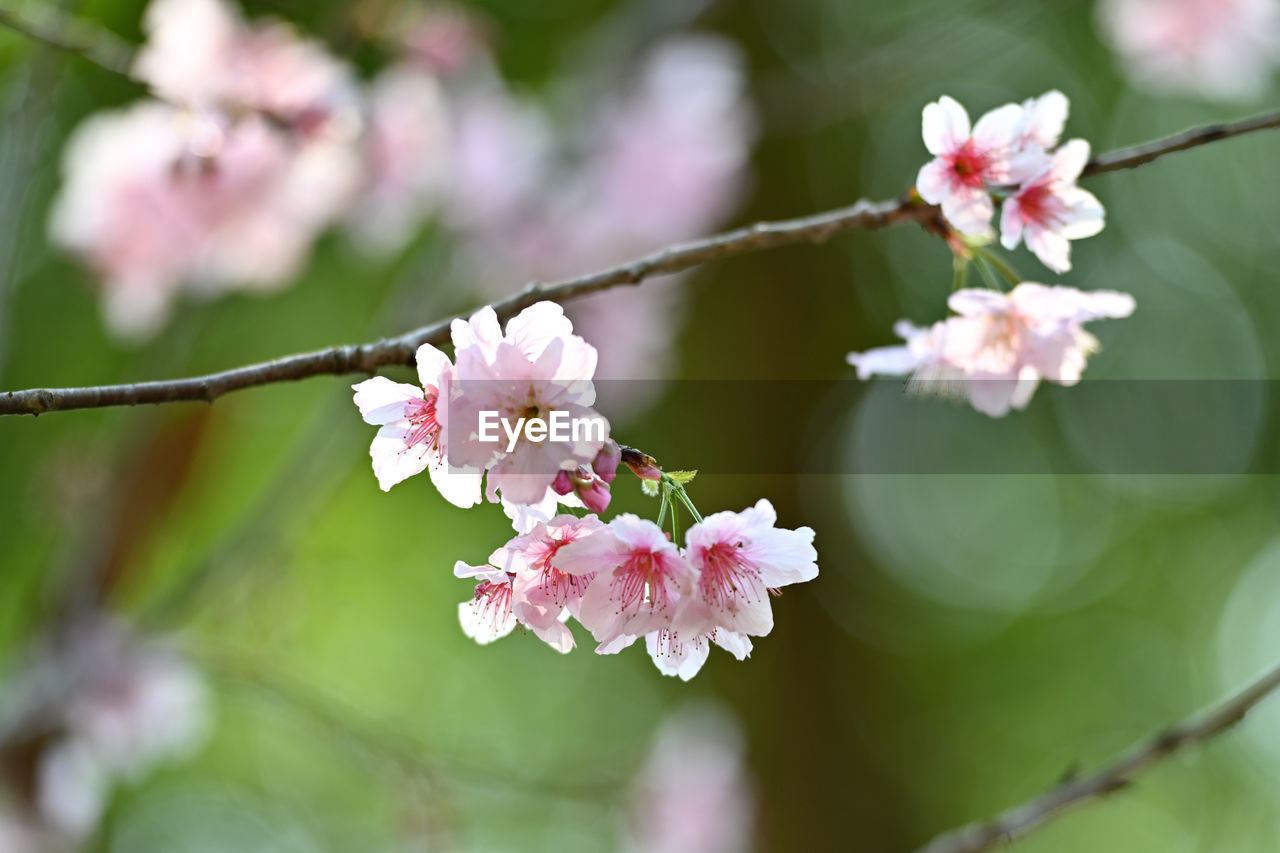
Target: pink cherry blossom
column 535, row 369
column 1212, row 48
column 641, row 578
column 413, row 434
column 740, row 557
column 968, row 161
column 490, row 614
column 1049, row 210
column 999, row 348
column 541, row 592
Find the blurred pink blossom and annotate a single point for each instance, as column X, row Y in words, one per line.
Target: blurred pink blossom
column 407, row 151
column 201, row 53
column 694, row 794
column 1000, row 346
column 1219, row 49
column 134, row 707
column 156, row 199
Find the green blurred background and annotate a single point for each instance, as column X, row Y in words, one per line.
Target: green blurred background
column 970, row 638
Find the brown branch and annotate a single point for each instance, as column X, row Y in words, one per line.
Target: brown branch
column 369, row 357
column 55, row 29
column 1120, row 774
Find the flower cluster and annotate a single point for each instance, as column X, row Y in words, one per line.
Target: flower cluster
column 621, row 580
column 998, row 347
column 1009, row 157
column 258, row 140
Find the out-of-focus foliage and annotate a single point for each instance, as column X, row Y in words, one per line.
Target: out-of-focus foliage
column 971, row 637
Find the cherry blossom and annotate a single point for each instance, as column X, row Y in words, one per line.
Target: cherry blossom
column 968, row 161
column 413, row 434
column 1000, row 346
column 542, row 594
column 490, row 614
column 1049, row 210
column 535, row 369
column 641, row 578
column 1212, row 48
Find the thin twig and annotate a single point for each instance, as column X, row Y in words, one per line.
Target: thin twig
column 369, row 357
column 57, row 30
column 1021, row 820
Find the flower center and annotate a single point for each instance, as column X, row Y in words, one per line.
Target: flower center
column 969, row 165
column 646, row 576
column 728, row 576
column 421, row 415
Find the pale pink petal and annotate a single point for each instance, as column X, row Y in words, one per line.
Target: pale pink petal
column 382, row 401
column 934, row 181
column 395, row 461
column 459, row 486
column 1053, row 249
column 976, row 301
column 433, row 366
column 1011, row 223
column 1045, row 117
column 738, row 645
column 672, row 657
column 998, row 130
column 969, row 209
column 945, row 125
column 1069, row 161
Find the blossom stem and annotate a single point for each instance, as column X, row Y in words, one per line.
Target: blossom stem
column 1000, row 265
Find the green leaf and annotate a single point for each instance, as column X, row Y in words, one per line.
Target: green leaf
column 682, row 477
column 649, row 487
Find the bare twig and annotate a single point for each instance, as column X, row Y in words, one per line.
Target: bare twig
column 52, row 27
column 369, row 357
column 1021, row 820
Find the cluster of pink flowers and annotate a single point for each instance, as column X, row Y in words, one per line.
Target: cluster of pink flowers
column 227, row 181
column 1212, row 48
column 1009, row 156
column 622, row 580
column 625, row 580
column 998, row 347
column 259, row 140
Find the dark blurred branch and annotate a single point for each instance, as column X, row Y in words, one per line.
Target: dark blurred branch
column 1140, row 155
column 1120, row 774
column 53, row 27
column 369, row 357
